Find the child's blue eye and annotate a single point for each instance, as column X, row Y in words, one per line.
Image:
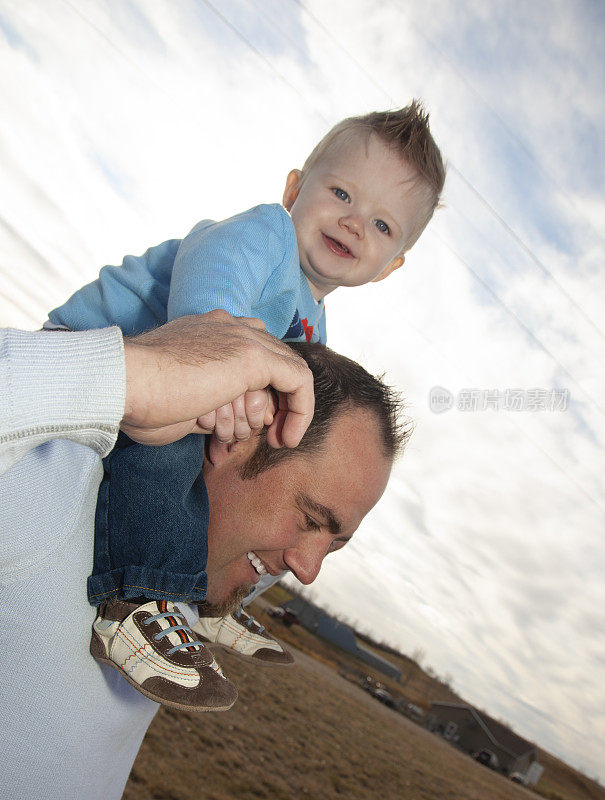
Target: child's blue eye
column 341, row 194
column 382, row 226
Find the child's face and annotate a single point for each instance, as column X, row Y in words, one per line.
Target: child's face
column 353, row 214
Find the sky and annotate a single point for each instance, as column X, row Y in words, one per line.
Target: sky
column 125, row 122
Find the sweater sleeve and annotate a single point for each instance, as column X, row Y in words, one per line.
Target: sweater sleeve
column 60, row 385
column 228, row 264
column 132, row 296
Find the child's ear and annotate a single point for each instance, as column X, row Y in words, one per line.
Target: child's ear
column 292, row 189
column 395, row 264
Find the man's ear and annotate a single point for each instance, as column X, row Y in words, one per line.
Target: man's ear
column 293, row 183
column 219, row 453
column 395, row 264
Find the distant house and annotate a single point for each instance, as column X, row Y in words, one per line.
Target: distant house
column 473, row 731
column 318, row 621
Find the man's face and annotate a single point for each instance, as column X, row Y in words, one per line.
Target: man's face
column 354, row 213
column 292, row 515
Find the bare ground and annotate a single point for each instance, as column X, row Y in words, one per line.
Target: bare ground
column 303, row 732
column 306, row 732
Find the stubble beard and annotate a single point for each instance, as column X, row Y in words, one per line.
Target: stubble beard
column 227, row 606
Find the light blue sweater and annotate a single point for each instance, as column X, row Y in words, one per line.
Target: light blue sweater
column 71, row 727
column 247, row 265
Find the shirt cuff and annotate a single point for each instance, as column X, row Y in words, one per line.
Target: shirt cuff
column 61, row 385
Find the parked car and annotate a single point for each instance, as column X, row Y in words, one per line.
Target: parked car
column 530, row 777
column 413, row 711
column 286, row 615
column 487, row 758
column 381, row 694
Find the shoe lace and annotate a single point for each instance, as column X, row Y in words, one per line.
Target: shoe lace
column 191, row 644
column 249, row 621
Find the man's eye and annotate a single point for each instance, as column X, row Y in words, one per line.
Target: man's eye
column 311, row 524
column 341, row 194
column 382, row 226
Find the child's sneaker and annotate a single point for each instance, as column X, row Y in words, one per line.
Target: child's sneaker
column 243, row 636
column 155, row 650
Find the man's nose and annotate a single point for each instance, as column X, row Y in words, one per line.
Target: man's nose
column 353, row 223
column 305, row 561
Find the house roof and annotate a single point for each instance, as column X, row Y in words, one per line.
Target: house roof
column 374, row 658
column 499, row 734
column 340, row 634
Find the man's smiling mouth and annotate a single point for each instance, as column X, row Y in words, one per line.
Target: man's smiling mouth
column 336, row 247
column 258, row 565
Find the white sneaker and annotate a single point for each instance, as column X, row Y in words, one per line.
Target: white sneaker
column 154, row 648
column 242, row 635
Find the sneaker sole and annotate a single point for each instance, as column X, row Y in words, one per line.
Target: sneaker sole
column 154, row 697
column 244, row 657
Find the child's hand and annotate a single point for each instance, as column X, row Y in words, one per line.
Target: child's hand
column 177, row 370
column 238, row 420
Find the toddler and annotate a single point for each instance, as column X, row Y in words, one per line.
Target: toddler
column 361, row 200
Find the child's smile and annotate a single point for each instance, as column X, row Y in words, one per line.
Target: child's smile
column 336, row 247
column 354, row 213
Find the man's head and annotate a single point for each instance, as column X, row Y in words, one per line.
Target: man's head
column 364, row 196
column 275, row 510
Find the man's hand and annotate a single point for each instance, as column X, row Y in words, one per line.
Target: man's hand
column 193, row 365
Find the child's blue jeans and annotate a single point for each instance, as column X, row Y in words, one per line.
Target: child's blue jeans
column 151, row 528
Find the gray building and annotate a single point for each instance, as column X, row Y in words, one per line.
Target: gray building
column 318, row 621
column 473, row 731
column 378, row 662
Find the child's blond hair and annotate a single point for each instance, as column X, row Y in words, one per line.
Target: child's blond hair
column 406, row 131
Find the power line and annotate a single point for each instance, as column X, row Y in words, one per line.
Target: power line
column 478, row 232
column 511, row 421
column 452, row 168
column 263, row 58
column 517, row 319
column 477, row 277
column 112, row 44
column 526, row 249
column 343, row 50
column 510, row 132
column 528, row 331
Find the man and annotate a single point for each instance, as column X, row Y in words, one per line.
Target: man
column 72, row 730
column 318, row 493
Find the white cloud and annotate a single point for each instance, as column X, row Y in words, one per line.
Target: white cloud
column 127, row 122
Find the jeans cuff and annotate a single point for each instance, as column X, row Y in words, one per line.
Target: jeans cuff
column 126, row 583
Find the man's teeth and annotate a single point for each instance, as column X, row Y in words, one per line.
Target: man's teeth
column 257, row 563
